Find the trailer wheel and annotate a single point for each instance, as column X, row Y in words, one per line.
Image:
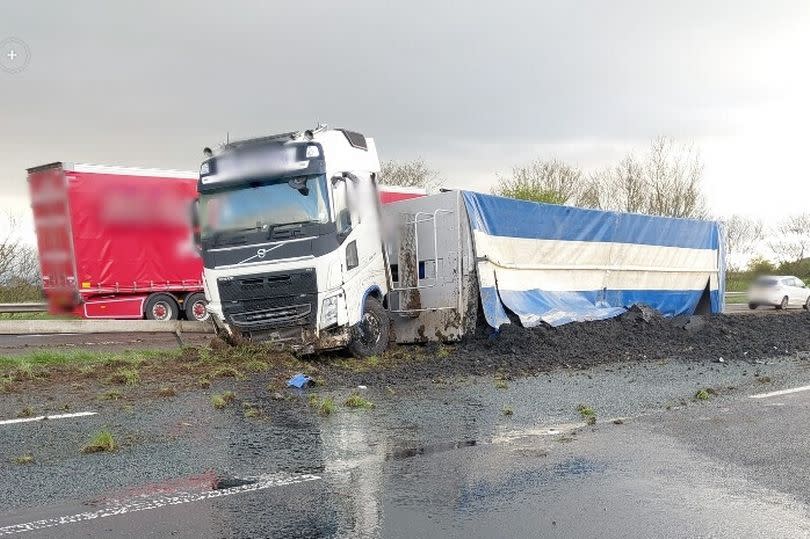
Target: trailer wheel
column 369, row 337
column 161, row 307
column 194, row 306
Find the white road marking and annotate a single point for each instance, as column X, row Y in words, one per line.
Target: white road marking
column 780, row 392
column 148, row 503
column 48, row 417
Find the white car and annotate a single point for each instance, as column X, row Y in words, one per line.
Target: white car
column 780, row 291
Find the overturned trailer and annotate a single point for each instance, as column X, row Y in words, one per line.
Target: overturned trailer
column 457, row 254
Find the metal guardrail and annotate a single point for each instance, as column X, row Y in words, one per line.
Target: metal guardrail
column 23, row 307
column 78, row 325
column 54, row 327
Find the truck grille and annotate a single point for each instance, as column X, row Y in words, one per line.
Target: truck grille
column 281, row 316
column 270, row 300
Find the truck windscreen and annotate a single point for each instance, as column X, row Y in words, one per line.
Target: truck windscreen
column 265, row 204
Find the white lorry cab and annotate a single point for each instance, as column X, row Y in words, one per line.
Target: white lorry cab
column 289, row 230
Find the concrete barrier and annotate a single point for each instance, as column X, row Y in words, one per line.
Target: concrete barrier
column 53, row 327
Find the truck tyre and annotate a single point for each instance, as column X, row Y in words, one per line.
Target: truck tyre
column 194, row 306
column 369, row 337
column 161, row 307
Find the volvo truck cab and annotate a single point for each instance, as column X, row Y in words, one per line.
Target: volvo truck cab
column 289, row 232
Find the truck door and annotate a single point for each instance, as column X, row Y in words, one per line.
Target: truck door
column 357, row 220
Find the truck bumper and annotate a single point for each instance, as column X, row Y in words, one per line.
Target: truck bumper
column 300, row 339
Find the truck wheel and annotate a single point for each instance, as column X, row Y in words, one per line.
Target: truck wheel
column 161, row 307
column 194, row 306
column 369, row 337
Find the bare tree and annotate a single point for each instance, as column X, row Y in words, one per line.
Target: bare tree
column 741, row 234
column 791, row 238
column 13, row 255
column 619, row 187
column 631, row 186
column 414, row 173
column 551, row 181
column 19, row 266
column 591, row 194
column 673, row 173
column 664, row 181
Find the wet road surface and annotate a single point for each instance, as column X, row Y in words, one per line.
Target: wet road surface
column 437, row 461
column 742, row 308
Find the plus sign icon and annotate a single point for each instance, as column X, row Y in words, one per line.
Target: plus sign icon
column 14, row 55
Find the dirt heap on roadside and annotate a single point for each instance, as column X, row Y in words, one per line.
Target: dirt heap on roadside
column 641, row 334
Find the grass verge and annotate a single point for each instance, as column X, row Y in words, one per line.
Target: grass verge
column 222, row 400
column 356, row 401
column 102, row 441
column 587, row 413
column 325, row 406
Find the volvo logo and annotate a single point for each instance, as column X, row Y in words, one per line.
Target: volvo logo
column 260, row 253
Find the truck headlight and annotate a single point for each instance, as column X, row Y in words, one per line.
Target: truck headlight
column 329, row 311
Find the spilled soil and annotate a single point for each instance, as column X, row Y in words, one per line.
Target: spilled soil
column 638, row 335
column 642, row 334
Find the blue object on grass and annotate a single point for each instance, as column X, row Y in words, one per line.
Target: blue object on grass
column 299, row 380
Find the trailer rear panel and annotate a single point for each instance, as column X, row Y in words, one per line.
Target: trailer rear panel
column 108, row 237
column 49, row 205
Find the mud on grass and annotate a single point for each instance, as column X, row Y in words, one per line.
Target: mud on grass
column 132, row 374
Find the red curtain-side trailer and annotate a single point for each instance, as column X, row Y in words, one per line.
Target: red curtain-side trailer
column 116, row 242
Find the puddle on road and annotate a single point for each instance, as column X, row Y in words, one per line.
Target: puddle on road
column 578, row 467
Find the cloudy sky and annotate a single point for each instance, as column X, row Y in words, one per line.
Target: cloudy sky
column 472, row 87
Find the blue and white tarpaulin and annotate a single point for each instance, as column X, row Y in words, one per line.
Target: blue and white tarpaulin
column 559, row 264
